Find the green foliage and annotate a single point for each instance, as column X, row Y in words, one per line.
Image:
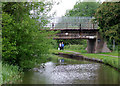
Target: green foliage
column 72, row 41
column 1, row 80
column 20, row 10
column 0, row 44
column 85, row 9
column 23, row 41
column 54, row 44
column 11, row 74
column 107, row 16
column 80, row 48
column 115, row 53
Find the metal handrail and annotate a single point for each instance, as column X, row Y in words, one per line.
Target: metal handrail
column 72, row 25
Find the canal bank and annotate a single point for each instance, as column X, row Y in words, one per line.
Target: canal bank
column 81, row 57
column 104, row 59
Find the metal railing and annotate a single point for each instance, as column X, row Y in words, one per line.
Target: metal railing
column 72, row 23
column 72, row 26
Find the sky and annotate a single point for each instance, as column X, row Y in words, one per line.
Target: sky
column 64, row 5
column 61, row 8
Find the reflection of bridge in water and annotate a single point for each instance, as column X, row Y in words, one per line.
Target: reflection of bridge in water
column 79, row 28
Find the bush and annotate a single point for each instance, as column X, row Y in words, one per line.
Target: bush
column 23, row 42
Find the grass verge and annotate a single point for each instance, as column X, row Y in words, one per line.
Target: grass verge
column 10, row 74
column 114, row 53
column 55, row 51
column 113, row 61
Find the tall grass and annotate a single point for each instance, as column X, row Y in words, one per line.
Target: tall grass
column 10, row 74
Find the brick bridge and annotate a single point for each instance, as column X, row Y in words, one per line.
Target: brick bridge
column 81, row 30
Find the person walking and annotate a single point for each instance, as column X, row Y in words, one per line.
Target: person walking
column 62, row 46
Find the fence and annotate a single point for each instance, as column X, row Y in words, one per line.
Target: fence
column 72, row 23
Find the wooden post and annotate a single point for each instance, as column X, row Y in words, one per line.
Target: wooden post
column 80, row 30
column 80, row 26
column 93, row 25
column 52, row 25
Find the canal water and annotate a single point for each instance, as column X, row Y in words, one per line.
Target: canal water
column 72, row 72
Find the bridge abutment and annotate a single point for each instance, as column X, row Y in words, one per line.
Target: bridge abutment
column 97, row 45
column 101, row 45
column 91, row 45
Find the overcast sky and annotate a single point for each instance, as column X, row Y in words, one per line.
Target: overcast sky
column 64, row 5
column 61, row 8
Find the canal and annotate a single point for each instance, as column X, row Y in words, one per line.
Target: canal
column 71, row 72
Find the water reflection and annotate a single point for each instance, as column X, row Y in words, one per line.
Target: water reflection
column 87, row 73
column 69, row 74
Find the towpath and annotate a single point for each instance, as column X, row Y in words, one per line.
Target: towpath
column 98, row 54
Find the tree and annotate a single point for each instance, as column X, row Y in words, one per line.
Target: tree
column 108, row 17
column 23, row 41
column 86, row 9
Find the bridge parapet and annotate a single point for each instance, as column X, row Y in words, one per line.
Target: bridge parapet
column 72, row 26
column 72, row 23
